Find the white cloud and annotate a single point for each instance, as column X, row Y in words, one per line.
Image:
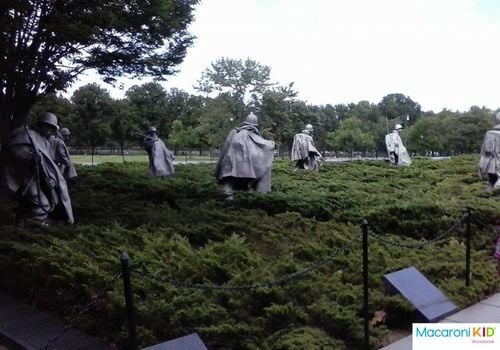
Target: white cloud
column 441, row 53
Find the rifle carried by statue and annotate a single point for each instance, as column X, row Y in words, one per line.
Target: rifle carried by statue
column 138, row 134
column 43, row 180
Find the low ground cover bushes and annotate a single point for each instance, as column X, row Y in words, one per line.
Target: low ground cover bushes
column 179, row 230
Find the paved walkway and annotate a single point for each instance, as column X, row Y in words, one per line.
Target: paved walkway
column 486, row 311
column 24, row 327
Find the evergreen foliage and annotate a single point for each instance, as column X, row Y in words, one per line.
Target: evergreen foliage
column 181, row 229
column 46, row 45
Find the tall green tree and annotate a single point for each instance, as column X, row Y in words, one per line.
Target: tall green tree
column 188, row 110
column 325, row 120
column 217, row 120
column 450, row 132
column 56, row 104
column 122, row 123
column 149, row 105
column 372, row 121
column 342, row 111
column 468, row 130
column 399, row 106
column 45, row 45
column 427, row 136
column 91, row 116
column 278, row 116
column 245, row 80
column 366, row 112
column 184, row 136
column 350, row 137
column 183, row 106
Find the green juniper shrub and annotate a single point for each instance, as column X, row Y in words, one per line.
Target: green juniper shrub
column 296, row 252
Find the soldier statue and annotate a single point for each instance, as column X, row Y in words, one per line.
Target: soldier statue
column 61, row 154
column 398, row 155
column 304, row 152
column 245, row 160
column 29, row 172
column 161, row 160
column 489, row 163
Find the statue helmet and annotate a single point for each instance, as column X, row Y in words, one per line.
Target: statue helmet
column 398, row 127
column 309, row 127
column 152, row 129
column 64, row 132
column 497, row 117
column 50, row 119
column 252, row 119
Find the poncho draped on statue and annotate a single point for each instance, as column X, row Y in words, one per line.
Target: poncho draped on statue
column 28, row 171
column 246, row 155
column 395, row 146
column 303, row 150
column 61, row 156
column 489, row 163
column 161, row 160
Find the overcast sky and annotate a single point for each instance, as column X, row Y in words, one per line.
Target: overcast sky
column 440, row 53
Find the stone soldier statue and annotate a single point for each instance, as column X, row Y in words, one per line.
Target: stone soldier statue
column 161, row 160
column 398, row 155
column 29, row 172
column 245, row 160
column 489, row 163
column 61, row 154
column 304, row 152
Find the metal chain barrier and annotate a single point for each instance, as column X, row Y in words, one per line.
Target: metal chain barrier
column 378, row 235
column 239, row 288
column 126, row 270
column 477, row 221
column 83, row 311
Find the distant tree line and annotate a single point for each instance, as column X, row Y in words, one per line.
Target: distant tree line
column 230, row 89
column 46, row 45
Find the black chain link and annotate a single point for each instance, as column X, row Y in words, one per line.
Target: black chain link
column 277, row 282
column 477, row 221
column 239, row 288
column 83, row 311
column 377, row 235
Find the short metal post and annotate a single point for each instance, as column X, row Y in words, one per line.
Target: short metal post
column 364, row 228
column 467, row 245
column 129, row 301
